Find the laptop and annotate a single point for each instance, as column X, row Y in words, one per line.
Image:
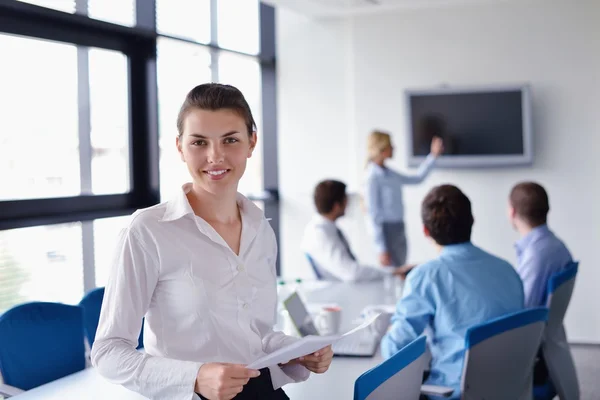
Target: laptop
column 360, row 344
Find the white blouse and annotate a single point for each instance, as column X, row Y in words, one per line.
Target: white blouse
column 202, row 302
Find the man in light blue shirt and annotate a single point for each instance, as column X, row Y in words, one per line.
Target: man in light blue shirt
column 464, row 286
column 540, row 254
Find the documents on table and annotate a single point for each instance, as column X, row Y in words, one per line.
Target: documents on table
column 304, row 346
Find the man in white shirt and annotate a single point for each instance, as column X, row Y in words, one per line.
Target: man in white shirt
column 326, row 246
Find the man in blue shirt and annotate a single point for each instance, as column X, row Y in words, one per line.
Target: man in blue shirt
column 462, row 287
column 540, row 254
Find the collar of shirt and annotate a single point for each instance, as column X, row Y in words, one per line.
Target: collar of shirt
column 456, row 249
column 535, row 233
column 321, row 220
column 179, row 207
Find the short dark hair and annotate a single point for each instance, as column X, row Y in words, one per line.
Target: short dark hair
column 446, row 213
column 213, row 97
column 327, row 194
column 530, row 201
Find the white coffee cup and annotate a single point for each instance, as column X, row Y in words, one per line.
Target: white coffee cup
column 328, row 320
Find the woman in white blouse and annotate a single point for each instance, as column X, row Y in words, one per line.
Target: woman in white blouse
column 201, row 269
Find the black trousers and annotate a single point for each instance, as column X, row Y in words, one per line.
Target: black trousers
column 260, row 388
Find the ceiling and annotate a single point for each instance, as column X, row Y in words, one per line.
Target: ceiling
column 357, row 7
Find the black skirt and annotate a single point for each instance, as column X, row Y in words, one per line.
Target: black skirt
column 260, row 388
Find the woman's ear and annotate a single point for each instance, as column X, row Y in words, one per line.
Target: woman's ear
column 253, row 141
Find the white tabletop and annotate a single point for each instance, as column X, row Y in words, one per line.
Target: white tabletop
column 337, row 383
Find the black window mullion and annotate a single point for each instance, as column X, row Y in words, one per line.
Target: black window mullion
column 144, row 143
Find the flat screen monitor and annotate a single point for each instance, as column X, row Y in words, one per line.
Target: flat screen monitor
column 480, row 127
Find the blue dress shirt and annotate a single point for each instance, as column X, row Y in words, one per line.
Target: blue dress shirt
column 383, row 195
column 540, row 254
column 463, row 287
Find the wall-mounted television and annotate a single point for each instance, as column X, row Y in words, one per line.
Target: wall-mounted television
column 480, row 127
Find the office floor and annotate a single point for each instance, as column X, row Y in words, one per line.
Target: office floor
column 587, row 362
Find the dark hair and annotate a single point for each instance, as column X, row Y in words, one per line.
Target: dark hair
column 530, row 201
column 216, row 96
column 327, row 194
column 446, row 213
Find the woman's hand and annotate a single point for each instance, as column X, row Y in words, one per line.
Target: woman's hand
column 437, row 146
column 385, row 259
column 317, row 362
column 220, row 381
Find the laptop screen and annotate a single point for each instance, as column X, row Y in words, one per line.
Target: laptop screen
column 300, row 315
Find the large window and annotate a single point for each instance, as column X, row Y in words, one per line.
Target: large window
column 41, row 155
column 84, row 141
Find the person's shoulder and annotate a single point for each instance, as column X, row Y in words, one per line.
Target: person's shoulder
column 427, row 270
column 146, row 219
column 317, row 230
column 496, row 260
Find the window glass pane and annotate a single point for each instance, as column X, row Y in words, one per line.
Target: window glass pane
column 42, row 263
column 238, row 25
column 60, row 5
column 184, row 18
column 109, row 113
column 244, row 73
column 120, row 12
column 39, row 138
column 106, row 235
column 180, row 67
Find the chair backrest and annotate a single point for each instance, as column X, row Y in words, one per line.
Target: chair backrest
column 400, row 376
column 314, row 266
column 559, row 291
column 500, row 355
column 92, row 305
column 40, row 342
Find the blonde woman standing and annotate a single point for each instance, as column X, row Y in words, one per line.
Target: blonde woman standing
column 384, row 196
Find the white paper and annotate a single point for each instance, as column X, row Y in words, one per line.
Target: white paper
column 304, row 346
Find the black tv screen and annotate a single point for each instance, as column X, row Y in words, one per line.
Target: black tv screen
column 478, row 127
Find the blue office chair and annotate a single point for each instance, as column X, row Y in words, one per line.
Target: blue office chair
column 400, row 376
column 500, row 355
column 314, row 266
column 555, row 350
column 40, row 342
column 92, row 304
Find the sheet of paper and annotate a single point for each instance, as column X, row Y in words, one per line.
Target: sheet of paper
column 304, row 346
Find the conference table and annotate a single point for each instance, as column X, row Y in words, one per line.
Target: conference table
column 336, row 383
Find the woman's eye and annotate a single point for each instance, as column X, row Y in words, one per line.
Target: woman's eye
column 231, row 140
column 199, row 143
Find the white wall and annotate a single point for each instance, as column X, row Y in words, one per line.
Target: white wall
column 341, row 78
